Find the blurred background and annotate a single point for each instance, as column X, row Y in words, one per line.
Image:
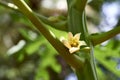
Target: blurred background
column 26, row 55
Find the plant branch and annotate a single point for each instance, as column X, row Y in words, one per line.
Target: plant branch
column 80, row 5
column 75, row 16
column 72, row 60
column 99, row 38
column 9, row 5
column 60, row 25
column 77, row 24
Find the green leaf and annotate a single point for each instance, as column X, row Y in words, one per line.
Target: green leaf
column 47, row 60
column 101, row 75
column 34, row 46
column 103, row 53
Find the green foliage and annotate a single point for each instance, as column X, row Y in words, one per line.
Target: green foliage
column 38, row 58
column 108, row 56
column 47, row 60
column 46, row 52
column 18, row 17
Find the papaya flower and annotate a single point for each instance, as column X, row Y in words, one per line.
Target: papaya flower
column 73, row 43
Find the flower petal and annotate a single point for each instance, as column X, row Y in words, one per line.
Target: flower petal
column 62, row 38
column 77, row 36
column 66, row 43
column 70, row 36
column 79, row 44
column 82, row 43
column 73, row 49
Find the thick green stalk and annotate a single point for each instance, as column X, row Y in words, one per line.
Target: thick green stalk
column 72, row 60
column 75, row 16
column 99, row 38
column 88, row 71
column 77, row 24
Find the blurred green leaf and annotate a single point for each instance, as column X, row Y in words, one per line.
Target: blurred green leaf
column 25, row 34
column 48, row 60
column 106, row 56
column 34, row 46
column 101, row 75
column 18, row 17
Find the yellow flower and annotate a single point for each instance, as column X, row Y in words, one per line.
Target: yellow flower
column 73, row 43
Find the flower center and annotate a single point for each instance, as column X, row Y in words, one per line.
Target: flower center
column 74, row 43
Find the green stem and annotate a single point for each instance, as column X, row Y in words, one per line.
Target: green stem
column 72, row 60
column 13, row 7
column 60, row 25
column 97, row 39
column 88, row 71
column 77, row 24
column 80, row 5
